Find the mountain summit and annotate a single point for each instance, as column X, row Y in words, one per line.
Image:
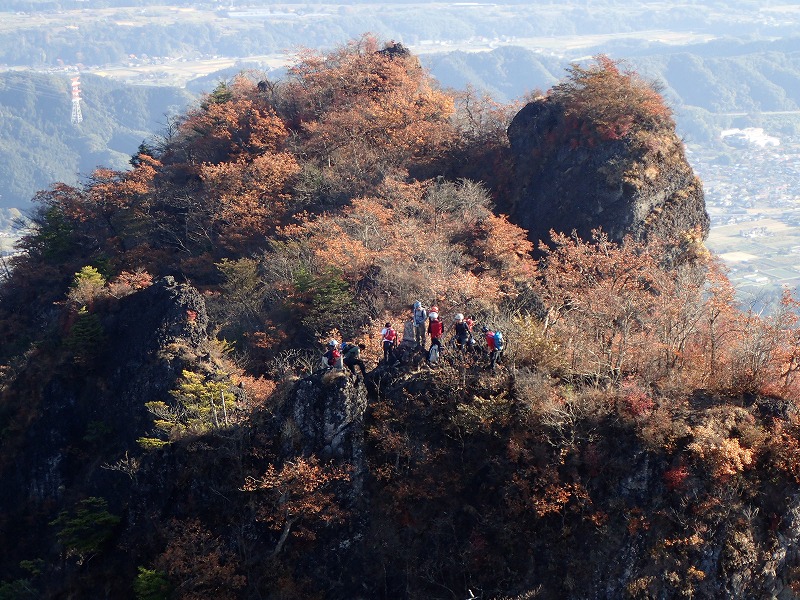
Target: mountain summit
column 600, row 151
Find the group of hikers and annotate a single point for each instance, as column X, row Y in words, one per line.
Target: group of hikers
column 423, row 323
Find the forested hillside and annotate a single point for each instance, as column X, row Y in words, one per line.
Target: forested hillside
column 168, row 430
column 39, row 145
column 711, row 87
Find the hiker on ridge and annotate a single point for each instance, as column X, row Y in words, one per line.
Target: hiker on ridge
column 494, row 345
column 351, row 357
column 436, row 329
column 332, row 358
column 389, row 340
column 420, row 318
column 470, row 322
column 462, row 332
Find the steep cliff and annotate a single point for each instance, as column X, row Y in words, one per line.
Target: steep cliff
column 67, row 419
column 579, row 167
column 286, row 486
column 419, row 483
column 460, row 482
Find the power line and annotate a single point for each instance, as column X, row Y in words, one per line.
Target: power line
column 5, row 86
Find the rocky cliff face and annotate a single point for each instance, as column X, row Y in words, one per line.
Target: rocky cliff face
column 153, row 336
column 329, row 414
column 566, row 179
column 74, row 418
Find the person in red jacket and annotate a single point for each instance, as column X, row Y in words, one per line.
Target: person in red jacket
column 389, row 337
column 333, row 355
column 491, row 347
column 435, row 330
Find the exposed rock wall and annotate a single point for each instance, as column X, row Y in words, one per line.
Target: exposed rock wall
column 329, row 412
column 326, row 415
column 80, row 412
column 151, row 338
column 568, row 180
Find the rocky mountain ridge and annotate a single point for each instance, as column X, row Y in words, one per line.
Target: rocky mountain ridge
column 168, row 431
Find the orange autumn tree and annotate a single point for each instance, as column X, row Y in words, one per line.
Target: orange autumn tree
column 218, row 184
column 228, row 126
column 709, row 351
column 365, row 113
column 735, row 350
column 467, row 258
column 618, row 309
column 234, row 149
column 761, row 354
column 628, row 310
column 437, row 241
column 247, row 197
column 104, row 211
column 298, row 497
column 500, row 246
column 610, row 99
column 787, row 353
column 356, row 115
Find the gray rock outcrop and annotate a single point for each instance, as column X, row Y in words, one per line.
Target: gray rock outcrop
column 324, row 416
column 566, row 180
column 81, row 410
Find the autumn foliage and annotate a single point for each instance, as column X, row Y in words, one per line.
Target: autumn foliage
column 321, row 206
column 643, row 309
column 613, row 101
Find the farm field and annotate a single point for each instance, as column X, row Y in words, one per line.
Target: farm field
column 762, row 251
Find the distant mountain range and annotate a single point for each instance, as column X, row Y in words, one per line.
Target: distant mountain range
column 711, row 86
column 708, row 85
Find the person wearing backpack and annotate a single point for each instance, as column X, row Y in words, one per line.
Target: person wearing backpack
column 389, row 338
column 471, row 345
column 436, row 331
column 419, row 316
column 352, row 358
column 332, row 358
column 494, row 345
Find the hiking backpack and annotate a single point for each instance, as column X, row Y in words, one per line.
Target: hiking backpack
column 433, row 356
column 498, row 340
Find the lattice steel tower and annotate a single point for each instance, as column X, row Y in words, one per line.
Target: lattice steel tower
column 77, row 117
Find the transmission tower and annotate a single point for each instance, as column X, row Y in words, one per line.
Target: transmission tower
column 77, row 117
